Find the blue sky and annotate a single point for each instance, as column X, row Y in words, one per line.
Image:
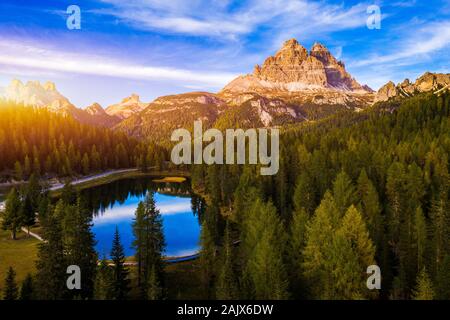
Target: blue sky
column 159, row 47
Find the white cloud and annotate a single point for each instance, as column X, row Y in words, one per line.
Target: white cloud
column 127, row 212
column 40, row 58
column 415, row 44
column 229, row 20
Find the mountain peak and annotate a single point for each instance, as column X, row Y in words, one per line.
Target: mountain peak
column 95, row 109
column 50, row 86
column 133, row 98
column 127, row 107
column 294, row 69
column 318, row 47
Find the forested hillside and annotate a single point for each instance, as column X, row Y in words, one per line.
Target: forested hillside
column 35, row 140
column 353, row 190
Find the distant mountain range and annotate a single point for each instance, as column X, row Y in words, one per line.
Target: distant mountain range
column 292, row 86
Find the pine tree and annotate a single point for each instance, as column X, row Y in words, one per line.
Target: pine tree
column 355, row 238
column 79, row 242
column 85, row 164
column 27, row 288
column 297, row 244
column 120, row 284
column 319, row 242
column 103, row 281
column 51, row 264
column 31, row 196
column 149, row 242
column 18, row 171
column 304, row 194
column 139, row 243
column 10, row 290
column 421, row 242
column 440, row 227
column 344, row 192
column 265, row 248
column 424, row 288
column 153, row 287
column 227, row 287
column 207, row 259
column 370, row 207
column 11, row 217
column 69, row 194
column 442, row 283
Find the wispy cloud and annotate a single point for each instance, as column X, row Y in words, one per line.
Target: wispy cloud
column 417, row 43
column 231, row 19
column 38, row 57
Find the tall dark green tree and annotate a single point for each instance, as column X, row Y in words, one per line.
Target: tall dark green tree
column 10, row 292
column 207, row 260
column 51, row 264
column 120, row 285
column 79, row 242
column 424, row 288
column 344, row 192
column 227, row 285
column 103, row 281
column 27, row 288
column 149, row 244
column 264, row 247
column 11, row 217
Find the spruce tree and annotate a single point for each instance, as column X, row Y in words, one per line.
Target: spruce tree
column 27, row 288
column 442, row 282
column 207, row 259
column 10, row 292
column 149, row 242
column 79, row 242
column 265, row 248
column 360, row 254
column 297, row 242
column 319, row 242
column 421, row 241
column 139, row 242
column 370, row 207
column 11, row 217
column 304, row 194
column 227, row 286
column 424, row 288
column 51, row 264
column 120, row 283
column 154, row 291
column 103, row 281
column 344, row 192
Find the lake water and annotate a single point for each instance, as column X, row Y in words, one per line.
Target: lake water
column 114, row 204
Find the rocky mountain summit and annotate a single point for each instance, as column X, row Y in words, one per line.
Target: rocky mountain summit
column 127, row 107
column 35, row 94
column 427, row 82
column 293, row 69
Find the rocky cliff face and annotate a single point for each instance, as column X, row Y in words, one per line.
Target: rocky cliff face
column 127, row 107
column 434, row 82
column 34, row 93
column 294, row 69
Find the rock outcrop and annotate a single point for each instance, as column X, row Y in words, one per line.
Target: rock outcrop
column 294, row 69
column 434, row 82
